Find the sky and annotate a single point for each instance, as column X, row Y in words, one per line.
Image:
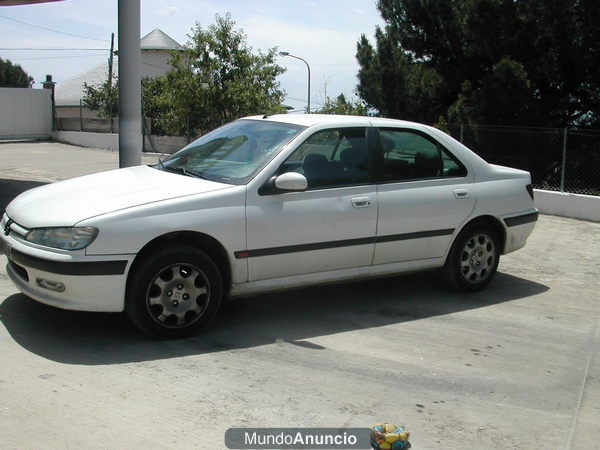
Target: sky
column 323, row 32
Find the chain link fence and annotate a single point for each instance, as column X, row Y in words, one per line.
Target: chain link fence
column 566, row 160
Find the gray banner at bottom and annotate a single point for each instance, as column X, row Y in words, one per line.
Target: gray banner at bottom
column 298, row 438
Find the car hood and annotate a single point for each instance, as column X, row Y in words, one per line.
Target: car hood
column 67, row 202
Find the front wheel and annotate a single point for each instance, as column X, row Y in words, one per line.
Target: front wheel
column 174, row 292
column 473, row 258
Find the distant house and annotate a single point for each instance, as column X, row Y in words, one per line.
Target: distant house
column 155, row 53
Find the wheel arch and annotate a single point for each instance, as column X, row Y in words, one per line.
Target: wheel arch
column 452, row 268
column 493, row 222
column 208, row 244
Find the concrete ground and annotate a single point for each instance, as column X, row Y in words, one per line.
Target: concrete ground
column 515, row 366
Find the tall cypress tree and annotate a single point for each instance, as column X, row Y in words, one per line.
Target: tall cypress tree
column 493, row 61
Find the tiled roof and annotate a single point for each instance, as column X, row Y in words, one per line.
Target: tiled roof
column 159, row 40
column 69, row 92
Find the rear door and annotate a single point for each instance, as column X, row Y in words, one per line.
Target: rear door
column 424, row 194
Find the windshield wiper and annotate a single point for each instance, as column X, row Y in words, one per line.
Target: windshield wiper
column 184, row 171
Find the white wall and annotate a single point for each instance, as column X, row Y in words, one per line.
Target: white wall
column 25, row 113
column 577, row 206
column 110, row 141
column 155, row 63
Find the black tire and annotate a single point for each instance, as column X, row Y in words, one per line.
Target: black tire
column 174, row 292
column 473, row 258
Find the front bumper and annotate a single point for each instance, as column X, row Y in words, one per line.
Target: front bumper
column 85, row 283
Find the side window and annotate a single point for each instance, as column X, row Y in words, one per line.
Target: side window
column 331, row 158
column 410, row 156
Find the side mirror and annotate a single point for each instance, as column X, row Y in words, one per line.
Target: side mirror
column 291, row 181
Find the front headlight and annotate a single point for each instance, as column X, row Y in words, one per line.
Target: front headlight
column 66, row 238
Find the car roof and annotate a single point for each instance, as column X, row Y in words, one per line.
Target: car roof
column 309, row 120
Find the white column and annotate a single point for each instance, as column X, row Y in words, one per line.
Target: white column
column 130, row 90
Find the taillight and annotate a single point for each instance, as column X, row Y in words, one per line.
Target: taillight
column 529, row 188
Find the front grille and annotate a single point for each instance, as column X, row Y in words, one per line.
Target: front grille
column 10, row 227
column 4, row 222
column 19, row 270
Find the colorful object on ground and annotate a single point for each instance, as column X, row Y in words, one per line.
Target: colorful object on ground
column 386, row 436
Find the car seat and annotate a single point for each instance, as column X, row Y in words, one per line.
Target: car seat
column 314, row 167
column 427, row 165
column 354, row 160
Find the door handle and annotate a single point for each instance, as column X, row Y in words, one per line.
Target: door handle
column 461, row 193
column 361, row 202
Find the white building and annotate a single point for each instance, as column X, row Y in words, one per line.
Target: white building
column 155, row 48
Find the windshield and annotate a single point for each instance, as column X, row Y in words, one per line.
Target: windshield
column 233, row 153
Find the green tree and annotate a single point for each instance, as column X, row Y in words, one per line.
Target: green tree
column 155, row 103
column 503, row 97
column 483, row 49
column 394, row 83
column 216, row 79
column 340, row 105
column 13, row 75
column 103, row 98
column 219, row 78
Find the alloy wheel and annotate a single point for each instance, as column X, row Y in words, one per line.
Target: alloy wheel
column 477, row 258
column 178, row 295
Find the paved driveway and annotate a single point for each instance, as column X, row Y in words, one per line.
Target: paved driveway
column 515, row 366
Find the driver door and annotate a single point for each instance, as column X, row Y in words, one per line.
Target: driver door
column 331, row 225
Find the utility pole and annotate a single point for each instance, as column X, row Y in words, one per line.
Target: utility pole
column 110, row 74
column 110, row 59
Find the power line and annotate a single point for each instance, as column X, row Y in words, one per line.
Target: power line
column 53, row 31
column 295, row 98
column 52, row 49
column 57, row 57
column 333, row 64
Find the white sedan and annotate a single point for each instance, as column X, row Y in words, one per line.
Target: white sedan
column 266, row 203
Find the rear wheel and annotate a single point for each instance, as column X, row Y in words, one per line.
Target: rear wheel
column 473, row 258
column 174, row 292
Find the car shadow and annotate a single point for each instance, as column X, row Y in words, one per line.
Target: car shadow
column 9, row 189
column 295, row 317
